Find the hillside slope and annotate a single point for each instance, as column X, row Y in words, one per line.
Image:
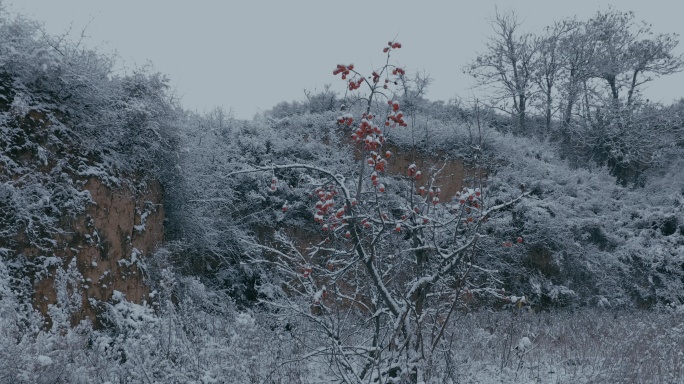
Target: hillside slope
column 79, row 198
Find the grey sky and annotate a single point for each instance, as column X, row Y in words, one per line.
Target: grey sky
column 249, row 55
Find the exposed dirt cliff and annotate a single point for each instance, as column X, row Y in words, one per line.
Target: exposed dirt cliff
column 119, row 227
column 74, row 228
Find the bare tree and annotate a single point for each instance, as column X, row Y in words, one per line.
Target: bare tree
column 506, row 67
column 549, row 64
column 578, row 53
column 392, row 262
column 652, row 58
column 626, row 54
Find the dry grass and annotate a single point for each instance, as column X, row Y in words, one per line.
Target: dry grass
column 588, row 346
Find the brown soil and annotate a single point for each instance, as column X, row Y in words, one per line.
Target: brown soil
column 105, row 243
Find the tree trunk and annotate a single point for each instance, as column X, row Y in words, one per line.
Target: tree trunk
column 521, row 112
column 613, row 87
column 548, row 110
column 630, row 94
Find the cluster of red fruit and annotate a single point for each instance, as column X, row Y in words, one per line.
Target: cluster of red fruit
column 345, row 70
column 432, row 194
column 510, row 243
column 354, row 85
column 469, row 196
column 326, row 200
column 366, row 224
column 326, row 214
column 368, row 133
column 391, row 45
column 468, row 204
column 274, row 184
column 376, row 182
column 413, row 171
column 377, row 162
column 345, row 119
column 398, row 71
column 396, row 117
column 374, row 177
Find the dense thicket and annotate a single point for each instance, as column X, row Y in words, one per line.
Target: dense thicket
column 66, row 115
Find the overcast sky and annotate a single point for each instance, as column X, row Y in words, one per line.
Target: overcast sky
column 247, row 56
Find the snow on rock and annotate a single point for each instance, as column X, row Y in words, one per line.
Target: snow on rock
column 44, row 360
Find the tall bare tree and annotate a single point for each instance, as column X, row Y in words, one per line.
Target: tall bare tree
column 628, row 54
column 549, row 63
column 577, row 53
column 506, row 67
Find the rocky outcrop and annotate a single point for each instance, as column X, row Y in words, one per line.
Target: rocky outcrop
column 72, row 226
column 451, row 174
column 106, row 245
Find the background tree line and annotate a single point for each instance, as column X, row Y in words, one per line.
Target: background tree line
column 581, row 80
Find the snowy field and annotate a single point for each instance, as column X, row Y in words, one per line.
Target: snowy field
column 199, row 344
